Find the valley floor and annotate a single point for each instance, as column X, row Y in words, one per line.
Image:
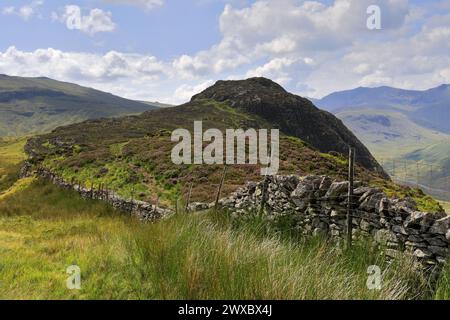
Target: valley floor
column 43, row 230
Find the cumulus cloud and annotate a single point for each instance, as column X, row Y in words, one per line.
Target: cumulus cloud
column 96, row 21
column 311, row 47
column 25, row 12
column 184, row 92
column 130, row 75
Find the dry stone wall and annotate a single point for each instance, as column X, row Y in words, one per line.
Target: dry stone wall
column 318, row 205
column 314, row 205
column 143, row 210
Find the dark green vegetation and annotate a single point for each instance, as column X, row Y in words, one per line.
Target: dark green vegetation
column 131, row 155
column 37, row 105
column 43, row 230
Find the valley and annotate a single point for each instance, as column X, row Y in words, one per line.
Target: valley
column 401, row 129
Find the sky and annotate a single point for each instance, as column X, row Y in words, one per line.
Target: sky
column 168, row 50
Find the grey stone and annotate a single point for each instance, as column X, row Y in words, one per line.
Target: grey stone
column 441, row 226
column 337, row 189
column 422, row 253
column 383, row 236
column 440, row 251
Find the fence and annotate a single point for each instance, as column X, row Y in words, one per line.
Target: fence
column 433, row 179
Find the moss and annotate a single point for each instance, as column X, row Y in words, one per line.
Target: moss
column 117, row 148
column 48, row 145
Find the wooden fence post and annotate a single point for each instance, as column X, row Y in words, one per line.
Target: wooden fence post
column 263, row 195
column 351, row 172
column 219, row 189
column 188, row 197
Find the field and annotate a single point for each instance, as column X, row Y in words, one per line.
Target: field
column 43, row 230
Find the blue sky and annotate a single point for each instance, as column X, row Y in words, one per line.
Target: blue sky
column 167, row 50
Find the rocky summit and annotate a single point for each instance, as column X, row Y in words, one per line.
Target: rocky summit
column 292, row 114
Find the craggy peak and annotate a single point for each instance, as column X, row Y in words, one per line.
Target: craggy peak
column 292, row 114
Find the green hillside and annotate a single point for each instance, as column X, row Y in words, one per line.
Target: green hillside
column 38, row 105
column 389, row 133
column 131, row 155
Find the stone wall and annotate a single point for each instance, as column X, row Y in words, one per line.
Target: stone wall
column 314, row 205
column 143, row 210
column 318, row 205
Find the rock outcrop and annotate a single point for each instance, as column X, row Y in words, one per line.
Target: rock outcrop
column 292, row 114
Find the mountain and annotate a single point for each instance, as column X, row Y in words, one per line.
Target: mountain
column 132, row 154
column 407, row 126
column 429, row 108
column 37, row 105
column 293, row 115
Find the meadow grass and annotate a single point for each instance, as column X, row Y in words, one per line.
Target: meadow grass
column 44, row 229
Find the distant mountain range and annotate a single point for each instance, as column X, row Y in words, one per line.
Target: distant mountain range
column 405, row 125
column 38, row 105
column 429, row 108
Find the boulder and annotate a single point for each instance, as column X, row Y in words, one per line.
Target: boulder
column 441, row 226
column 337, row 189
column 371, row 203
column 384, row 236
column 422, row 253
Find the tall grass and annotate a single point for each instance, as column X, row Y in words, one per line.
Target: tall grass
column 189, row 256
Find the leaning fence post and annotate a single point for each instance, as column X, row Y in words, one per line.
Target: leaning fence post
column 189, row 197
column 263, row 195
column 351, row 173
column 219, row 189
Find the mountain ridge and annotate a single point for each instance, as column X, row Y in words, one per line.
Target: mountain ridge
column 30, row 105
column 292, row 114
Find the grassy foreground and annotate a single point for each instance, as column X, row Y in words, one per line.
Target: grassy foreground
column 43, row 230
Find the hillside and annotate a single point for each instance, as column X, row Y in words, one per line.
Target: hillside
column 388, row 132
column 38, row 105
column 428, row 108
column 44, row 229
column 132, row 154
column 293, row 115
column 405, row 126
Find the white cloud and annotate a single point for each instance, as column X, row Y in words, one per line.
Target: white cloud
column 130, row 75
column 309, row 47
column 148, row 4
column 184, row 92
column 25, row 12
column 97, row 20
